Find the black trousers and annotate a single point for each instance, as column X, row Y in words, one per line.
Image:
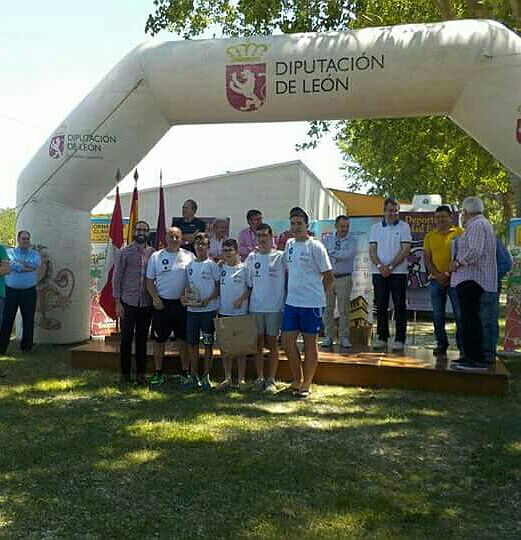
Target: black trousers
column 136, row 321
column 25, row 299
column 469, row 298
column 394, row 285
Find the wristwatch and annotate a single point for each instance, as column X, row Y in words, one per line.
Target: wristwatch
column 391, row 267
column 379, row 265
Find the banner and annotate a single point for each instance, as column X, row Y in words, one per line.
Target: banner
column 513, row 311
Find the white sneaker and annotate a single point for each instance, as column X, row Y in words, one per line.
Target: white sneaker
column 327, row 342
column 379, row 344
column 398, row 346
column 271, row 387
column 345, row 343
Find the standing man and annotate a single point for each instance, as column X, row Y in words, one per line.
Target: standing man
column 220, row 233
column 189, row 224
column 4, row 269
column 474, row 271
column 268, row 283
column 166, row 283
column 437, row 252
column 247, row 239
column 20, row 292
column 309, row 276
column 202, row 299
column 389, row 246
column 341, row 248
column 133, row 303
column 490, row 303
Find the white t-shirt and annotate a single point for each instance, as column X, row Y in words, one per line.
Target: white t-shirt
column 203, row 277
column 388, row 240
column 168, row 270
column 233, row 283
column 268, row 281
column 306, row 262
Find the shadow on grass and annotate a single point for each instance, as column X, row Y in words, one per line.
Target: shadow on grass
column 80, row 457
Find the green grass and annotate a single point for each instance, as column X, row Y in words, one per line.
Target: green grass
column 80, row 458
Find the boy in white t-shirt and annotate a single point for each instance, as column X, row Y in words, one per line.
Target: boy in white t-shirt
column 309, row 276
column 234, row 294
column 201, row 298
column 267, row 271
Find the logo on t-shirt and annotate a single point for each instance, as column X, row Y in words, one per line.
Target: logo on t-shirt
column 223, row 273
column 190, row 271
column 257, row 265
column 164, row 261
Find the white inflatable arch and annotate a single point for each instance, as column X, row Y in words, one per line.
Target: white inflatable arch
column 467, row 70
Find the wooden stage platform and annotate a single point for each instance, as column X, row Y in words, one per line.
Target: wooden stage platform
column 416, row 368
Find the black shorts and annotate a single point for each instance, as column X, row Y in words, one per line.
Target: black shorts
column 172, row 318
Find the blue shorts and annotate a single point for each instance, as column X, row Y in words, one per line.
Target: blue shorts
column 302, row 319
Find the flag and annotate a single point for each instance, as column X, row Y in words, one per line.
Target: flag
column 107, row 301
column 134, row 211
column 161, row 219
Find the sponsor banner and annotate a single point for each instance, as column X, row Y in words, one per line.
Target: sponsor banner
column 99, row 229
column 361, row 305
column 100, row 323
column 513, row 311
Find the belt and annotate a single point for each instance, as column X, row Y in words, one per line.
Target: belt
column 341, row 275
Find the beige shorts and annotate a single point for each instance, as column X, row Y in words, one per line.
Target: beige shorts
column 268, row 324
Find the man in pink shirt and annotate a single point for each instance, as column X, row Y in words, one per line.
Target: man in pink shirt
column 474, row 271
column 247, row 239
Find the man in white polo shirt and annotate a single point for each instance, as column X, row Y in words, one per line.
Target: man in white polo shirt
column 309, row 276
column 389, row 246
column 166, row 282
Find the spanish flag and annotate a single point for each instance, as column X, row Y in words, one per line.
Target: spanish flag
column 134, row 212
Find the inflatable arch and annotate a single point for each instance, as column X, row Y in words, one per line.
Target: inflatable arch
column 468, row 70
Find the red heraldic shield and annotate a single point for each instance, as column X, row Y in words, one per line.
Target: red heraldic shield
column 246, row 86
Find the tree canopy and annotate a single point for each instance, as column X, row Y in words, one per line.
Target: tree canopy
column 7, row 226
column 400, row 157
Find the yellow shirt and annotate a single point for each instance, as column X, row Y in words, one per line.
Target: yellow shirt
column 439, row 247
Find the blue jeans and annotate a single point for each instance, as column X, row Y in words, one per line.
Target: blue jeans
column 489, row 311
column 439, row 301
column 2, row 303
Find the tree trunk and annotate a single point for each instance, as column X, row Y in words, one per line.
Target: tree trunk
column 445, row 8
column 516, row 12
column 516, row 192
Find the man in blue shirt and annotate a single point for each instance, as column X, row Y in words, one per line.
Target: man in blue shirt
column 341, row 248
column 20, row 292
column 4, row 269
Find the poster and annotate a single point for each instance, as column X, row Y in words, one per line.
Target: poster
column 100, row 323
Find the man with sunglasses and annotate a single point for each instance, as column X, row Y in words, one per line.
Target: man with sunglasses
column 133, row 303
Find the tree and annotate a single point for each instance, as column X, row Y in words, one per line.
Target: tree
column 401, row 157
column 7, row 226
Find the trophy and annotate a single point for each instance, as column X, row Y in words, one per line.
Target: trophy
column 193, row 297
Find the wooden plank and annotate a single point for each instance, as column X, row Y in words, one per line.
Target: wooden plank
column 415, row 369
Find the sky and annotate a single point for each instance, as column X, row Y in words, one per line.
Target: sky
column 53, row 53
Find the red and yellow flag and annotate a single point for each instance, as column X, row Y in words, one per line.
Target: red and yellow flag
column 133, row 217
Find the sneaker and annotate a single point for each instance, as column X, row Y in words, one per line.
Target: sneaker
column 327, row 342
column 259, row 384
column 205, row 383
column 270, row 387
column 242, row 386
column 157, row 379
column 465, row 365
column 398, row 346
column 191, row 383
column 379, row 344
column 225, row 386
column 345, row 343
